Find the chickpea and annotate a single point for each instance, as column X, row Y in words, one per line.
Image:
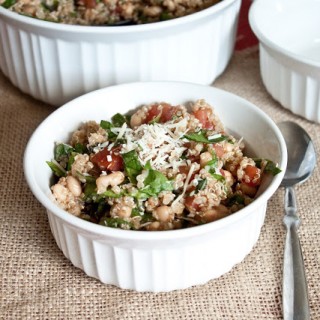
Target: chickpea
column 163, row 214
column 228, row 177
column 205, row 157
column 112, row 179
column 74, row 186
column 154, row 226
column 152, row 11
column 215, row 213
column 121, row 211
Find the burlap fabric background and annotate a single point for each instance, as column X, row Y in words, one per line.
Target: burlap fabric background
column 38, row 282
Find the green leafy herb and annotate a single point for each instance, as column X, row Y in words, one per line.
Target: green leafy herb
column 71, row 160
column 269, row 166
column 80, row 148
column 110, row 194
column 56, row 169
column 62, row 151
column 115, row 223
column 85, row 178
column 118, row 120
column 156, row 119
column 201, row 136
column 145, row 216
column 132, row 165
column 106, row 125
column 235, row 199
column 155, row 182
column 8, row 3
column 214, row 162
column 202, row 183
column 50, row 7
column 165, row 15
column 218, row 177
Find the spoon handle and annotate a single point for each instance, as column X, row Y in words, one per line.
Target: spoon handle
column 295, row 292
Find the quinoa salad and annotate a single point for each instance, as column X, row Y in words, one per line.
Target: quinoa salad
column 164, row 167
column 106, row 12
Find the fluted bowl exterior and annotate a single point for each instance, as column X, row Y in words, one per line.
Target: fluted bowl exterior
column 56, row 62
column 290, row 52
column 155, row 260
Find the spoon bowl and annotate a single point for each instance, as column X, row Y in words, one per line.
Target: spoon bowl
column 301, row 154
column 301, row 162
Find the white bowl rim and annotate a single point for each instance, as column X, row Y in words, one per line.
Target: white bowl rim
column 255, row 26
column 117, row 29
column 109, row 232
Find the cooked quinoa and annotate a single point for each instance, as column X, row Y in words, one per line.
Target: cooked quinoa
column 161, row 168
column 106, row 12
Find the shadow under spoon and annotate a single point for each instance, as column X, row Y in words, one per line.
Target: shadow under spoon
column 301, row 162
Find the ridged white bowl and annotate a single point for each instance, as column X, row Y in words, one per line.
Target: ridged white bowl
column 55, row 63
column 289, row 33
column 159, row 260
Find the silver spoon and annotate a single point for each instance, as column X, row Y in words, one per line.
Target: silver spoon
column 301, row 162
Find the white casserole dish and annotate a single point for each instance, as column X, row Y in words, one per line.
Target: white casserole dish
column 155, row 260
column 57, row 62
column 289, row 33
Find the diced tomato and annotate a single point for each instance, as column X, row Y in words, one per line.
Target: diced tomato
column 203, row 115
column 165, row 110
column 251, row 172
column 110, row 160
column 191, row 205
column 218, row 150
column 89, row 4
column 184, row 169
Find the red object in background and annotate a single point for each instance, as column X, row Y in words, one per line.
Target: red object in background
column 245, row 37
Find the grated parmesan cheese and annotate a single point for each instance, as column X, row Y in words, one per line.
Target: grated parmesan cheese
column 161, row 144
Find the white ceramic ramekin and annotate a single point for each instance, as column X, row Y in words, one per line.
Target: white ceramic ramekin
column 159, row 260
column 56, row 62
column 289, row 33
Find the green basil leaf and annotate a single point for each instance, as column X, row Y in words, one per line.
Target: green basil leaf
column 71, row 160
column 118, row 120
column 106, row 125
column 62, row 151
column 56, row 169
column 89, row 191
column 202, row 183
column 80, row 148
column 270, row 166
column 235, row 199
column 201, row 136
column 218, row 177
column 132, row 165
column 110, row 194
column 86, row 178
column 155, row 182
column 115, row 223
column 214, row 162
column 8, row 3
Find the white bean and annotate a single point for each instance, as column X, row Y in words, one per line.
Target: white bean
column 74, row 186
column 60, row 192
column 112, row 179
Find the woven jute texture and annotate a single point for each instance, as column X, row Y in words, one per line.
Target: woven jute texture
column 38, row 282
